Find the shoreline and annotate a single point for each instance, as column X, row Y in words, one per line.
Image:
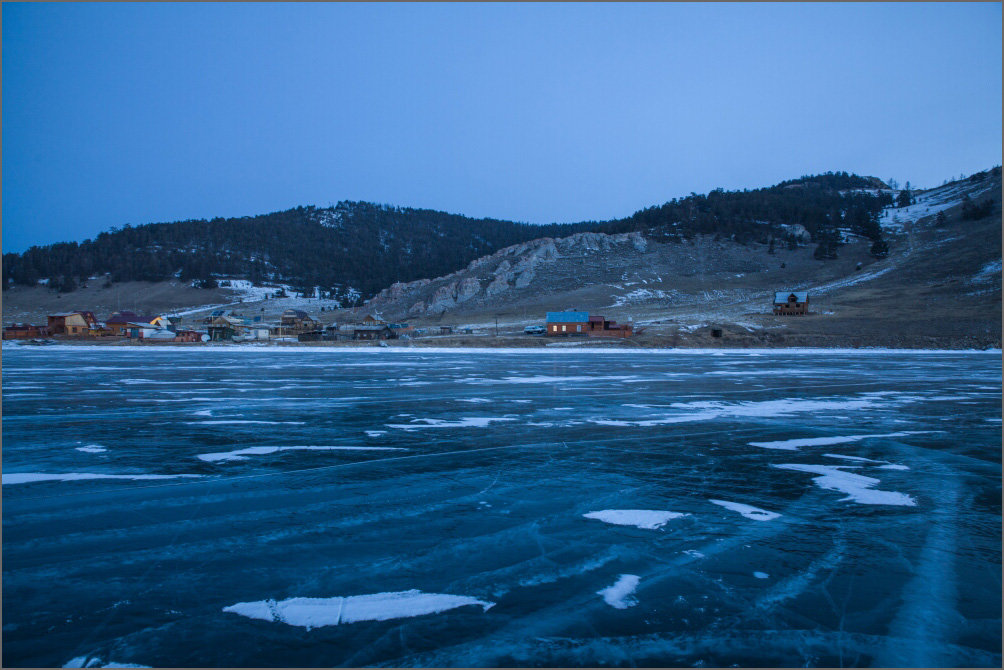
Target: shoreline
column 298, row 347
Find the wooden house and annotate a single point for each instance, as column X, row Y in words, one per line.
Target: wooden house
column 310, row 336
column 402, row 329
column 296, row 320
column 565, row 324
column 374, row 332
column 371, row 320
column 188, row 336
column 794, row 303
column 74, row 324
column 162, row 321
column 24, row 331
column 118, row 322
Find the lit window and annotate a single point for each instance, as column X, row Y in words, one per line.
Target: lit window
column 562, row 329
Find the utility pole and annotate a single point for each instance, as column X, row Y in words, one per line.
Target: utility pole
column 496, row 325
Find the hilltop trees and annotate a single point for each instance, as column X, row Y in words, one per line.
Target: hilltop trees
column 370, row 246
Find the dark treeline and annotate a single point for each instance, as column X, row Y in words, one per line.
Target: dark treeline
column 357, row 244
column 822, row 204
column 369, row 246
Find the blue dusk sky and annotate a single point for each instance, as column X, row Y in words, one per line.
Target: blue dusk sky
column 133, row 113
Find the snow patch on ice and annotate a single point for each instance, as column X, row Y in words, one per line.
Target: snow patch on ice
column 761, row 575
column 242, row 454
column 473, row 400
column 376, row 433
column 92, row 448
column 618, row 595
column 792, row 445
column 649, row 519
column 237, row 421
column 707, row 410
column 857, row 487
column 315, row 612
column 747, row 511
column 467, row 422
column 8, row 478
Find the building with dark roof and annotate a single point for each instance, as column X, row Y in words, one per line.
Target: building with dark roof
column 793, row 303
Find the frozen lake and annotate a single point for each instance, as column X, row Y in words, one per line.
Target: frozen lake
column 250, row 507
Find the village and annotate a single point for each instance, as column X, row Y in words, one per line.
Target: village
column 297, row 326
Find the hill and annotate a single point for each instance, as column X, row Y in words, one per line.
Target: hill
column 939, row 283
column 367, row 247
column 351, row 245
column 936, row 283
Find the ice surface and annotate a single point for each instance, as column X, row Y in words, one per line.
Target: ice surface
column 495, row 513
column 792, row 445
column 857, row 487
column 242, row 454
column 650, row 519
column 9, row 478
column 618, row 595
column 315, row 612
column 747, row 511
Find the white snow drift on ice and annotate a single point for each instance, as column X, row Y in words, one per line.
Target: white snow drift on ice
column 747, row 511
column 315, row 612
column 649, row 519
column 618, row 595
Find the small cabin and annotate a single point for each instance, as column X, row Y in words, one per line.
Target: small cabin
column 794, row 303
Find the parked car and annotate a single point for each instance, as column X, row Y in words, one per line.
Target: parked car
column 534, row 330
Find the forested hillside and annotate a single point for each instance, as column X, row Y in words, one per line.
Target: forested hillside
column 357, row 244
column 822, row 204
column 370, row 247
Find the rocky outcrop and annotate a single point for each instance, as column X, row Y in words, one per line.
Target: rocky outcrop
column 467, row 289
column 501, row 275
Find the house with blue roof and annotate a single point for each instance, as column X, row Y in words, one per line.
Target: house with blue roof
column 565, row 324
